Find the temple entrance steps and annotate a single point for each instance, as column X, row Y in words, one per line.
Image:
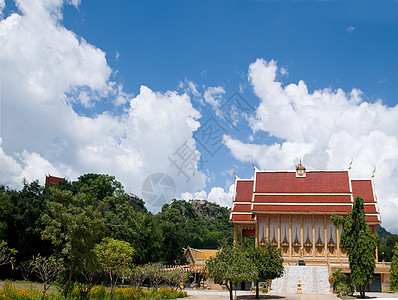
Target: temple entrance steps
column 313, row 279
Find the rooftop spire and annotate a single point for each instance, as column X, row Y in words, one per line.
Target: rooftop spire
column 300, row 170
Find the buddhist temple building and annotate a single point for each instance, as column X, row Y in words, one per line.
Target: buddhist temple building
column 293, row 209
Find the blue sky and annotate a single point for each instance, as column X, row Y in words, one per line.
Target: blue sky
column 118, row 87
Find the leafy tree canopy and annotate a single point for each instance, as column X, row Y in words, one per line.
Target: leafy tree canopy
column 359, row 243
column 232, row 265
column 394, row 270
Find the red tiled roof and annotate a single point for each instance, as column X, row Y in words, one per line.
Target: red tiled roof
column 314, row 182
column 370, row 209
column 302, row 208
column 319, row 192
column 53, row 180
column 242, row 207
column 302, row 198
column 242, row 217
column 372, row 219
column 244, row 190
column 363, row 188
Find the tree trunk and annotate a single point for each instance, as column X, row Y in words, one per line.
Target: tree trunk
column 361, row 291
column 231, row 297
column 72, row 266
column 257, row 293
column 112, row 287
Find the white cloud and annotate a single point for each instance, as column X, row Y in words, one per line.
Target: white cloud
column 25, row 165
column 220, row 196
column 276, row 156
column 350, row 29
column 48, row 68
column 2, row 6
column 326, row 128
column 214, row 96
column 201, row 195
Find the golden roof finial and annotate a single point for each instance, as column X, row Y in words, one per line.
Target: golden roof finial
column 374, row 171
column 129, row 192
column 233, row 170
column 254, row 165
column 349, row 165
column 300, row 166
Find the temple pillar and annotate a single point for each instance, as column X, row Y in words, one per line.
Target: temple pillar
column 338, row 242
column 313, row 236
column 256, row 234
column 377, row 254
column 302, row 235
column 235, row 234
column 290, row 236
column 326, row 236
column 267, row 228
column 279, row 231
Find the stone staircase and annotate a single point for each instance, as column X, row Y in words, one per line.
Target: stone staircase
column 313, row 279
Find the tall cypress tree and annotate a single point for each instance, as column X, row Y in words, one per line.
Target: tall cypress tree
column 360, row 244
column 394, row 270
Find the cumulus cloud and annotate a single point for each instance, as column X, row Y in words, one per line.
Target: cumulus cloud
column 216, row 195
column 201, row 195
column 220, row 196
column 49, row 69
column 326, row 128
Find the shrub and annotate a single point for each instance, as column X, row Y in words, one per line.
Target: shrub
column 344, row 286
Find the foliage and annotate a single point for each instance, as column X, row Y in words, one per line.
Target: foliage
column 24, row 225
column 197, row 223
column 360, row 245
column 394, row 270
column 154, row 272
column 73, row 226
column 69, row 218
column 268, row 261
column 47, row 269
column 88, row 276
column 9, row 292
column 7, row 255
column 5, row 212
column 97, row 293
column 231, row 265
column 344, row 286
column 173, row 278
column 386, row 246
column 114, row 256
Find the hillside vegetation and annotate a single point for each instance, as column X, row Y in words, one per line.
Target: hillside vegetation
column 68, row 219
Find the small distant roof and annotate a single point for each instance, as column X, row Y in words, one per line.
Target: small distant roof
column 199, row 254
column 53, row 179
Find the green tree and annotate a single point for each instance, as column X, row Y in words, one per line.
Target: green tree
column 73, row 226
column 24, row 225
column 343, row 283
column 231, row 265
column 360, row 244
column 138, row 228
column 174, row 278
column 154, row 272
column 394, row 270
column 47, row 269
column 386, row 247
column 115, row 257
column 7, row 255
column 5, row 212
column 268, row 261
